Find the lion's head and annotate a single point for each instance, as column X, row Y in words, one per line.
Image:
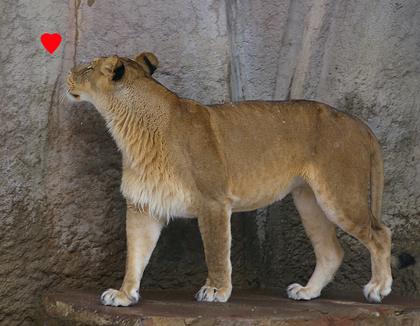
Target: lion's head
column 97, row 80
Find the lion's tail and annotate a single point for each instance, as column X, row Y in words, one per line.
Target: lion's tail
column 402, row 261
column 376, row 194
column 376, row 181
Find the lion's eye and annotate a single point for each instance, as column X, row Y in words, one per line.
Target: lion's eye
column 87, row 69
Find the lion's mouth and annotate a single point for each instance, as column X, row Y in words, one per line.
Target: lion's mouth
column 70, row 88
column 73, row 96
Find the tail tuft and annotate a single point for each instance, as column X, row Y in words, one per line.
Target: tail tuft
column 402, row 261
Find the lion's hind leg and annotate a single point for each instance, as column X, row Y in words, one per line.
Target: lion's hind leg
column 379, row 244
column 378, row 241
column 356, row 218
column 322, row 235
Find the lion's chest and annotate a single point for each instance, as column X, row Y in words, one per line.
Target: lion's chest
column 158, row 191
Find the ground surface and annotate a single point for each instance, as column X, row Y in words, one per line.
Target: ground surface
column 256, row 307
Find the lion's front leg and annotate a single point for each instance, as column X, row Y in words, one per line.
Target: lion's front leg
column 143, row 232
column 215, row 232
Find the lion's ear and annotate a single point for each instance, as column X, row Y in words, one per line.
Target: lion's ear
column 148, row 62
column 113, row 68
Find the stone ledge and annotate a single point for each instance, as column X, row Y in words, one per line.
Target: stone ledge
column 254, row 307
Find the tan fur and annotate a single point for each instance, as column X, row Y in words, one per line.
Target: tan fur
column 182, row 158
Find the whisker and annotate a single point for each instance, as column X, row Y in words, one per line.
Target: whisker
column 62, row 98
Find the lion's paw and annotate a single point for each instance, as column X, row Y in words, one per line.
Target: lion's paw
column 212, row 294
column 116, row 298
column 375, row 292
column 298, row 292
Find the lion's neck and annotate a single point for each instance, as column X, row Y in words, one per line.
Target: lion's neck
column 138, row 129
column 138, row 144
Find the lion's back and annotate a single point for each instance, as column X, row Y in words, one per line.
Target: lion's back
column 259, row 125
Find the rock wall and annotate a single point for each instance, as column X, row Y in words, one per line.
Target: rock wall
column 61, row 212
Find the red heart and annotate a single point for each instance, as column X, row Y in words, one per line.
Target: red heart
column 51, row 42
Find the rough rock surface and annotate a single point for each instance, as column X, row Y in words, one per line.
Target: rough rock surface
column 61, row 212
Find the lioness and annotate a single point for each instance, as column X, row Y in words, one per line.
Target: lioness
column 182, row 158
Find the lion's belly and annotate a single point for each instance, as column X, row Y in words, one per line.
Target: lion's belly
column 262, row 194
